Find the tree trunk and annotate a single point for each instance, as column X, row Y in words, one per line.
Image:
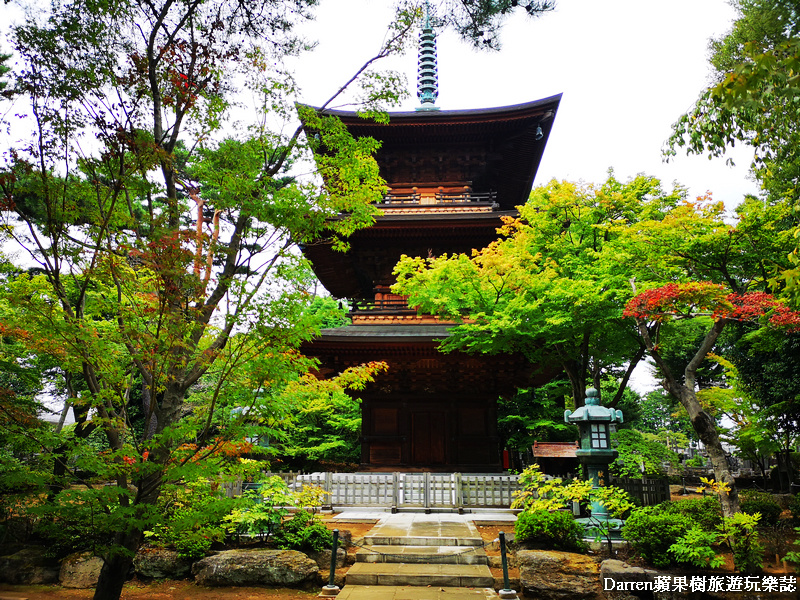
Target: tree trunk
column 117, row 565
column 784, row 457
column 706, row 430
column 118, row 560
column 702, row 422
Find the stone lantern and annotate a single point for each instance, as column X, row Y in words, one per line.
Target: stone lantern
column 594, row 423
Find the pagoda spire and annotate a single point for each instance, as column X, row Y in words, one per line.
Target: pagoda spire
column 427, row 75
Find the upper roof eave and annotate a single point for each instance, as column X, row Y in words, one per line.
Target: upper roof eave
column 461, row 115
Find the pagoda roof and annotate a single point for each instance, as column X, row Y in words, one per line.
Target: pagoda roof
column 508, row 135
column 344, row 274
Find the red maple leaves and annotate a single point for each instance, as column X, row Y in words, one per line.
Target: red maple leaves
column 686, row 300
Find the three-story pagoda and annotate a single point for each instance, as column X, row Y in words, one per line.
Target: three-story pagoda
column 452, row 176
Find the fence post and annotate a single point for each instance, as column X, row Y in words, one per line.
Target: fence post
column 395, row 491
column 332, row 589
column 506, row 593
column 457, row 490
column 328, row 487
column 426, row 490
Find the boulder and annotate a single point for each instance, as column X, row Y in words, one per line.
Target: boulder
column 496, row 562
column 29, row 566
column 323, row 559
column 160, row 563
column 552, row 575
column 280, row 568
column 345, row 538
column 338, row 578
column 80, row 570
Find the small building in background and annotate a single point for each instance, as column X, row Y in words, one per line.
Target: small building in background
column 557, row 458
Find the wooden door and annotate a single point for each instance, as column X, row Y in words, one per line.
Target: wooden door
column 428, row 430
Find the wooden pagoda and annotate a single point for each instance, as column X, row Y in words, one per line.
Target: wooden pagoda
column 452, row 175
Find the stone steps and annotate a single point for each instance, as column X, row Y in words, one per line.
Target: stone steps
column 403, row 574
column 373, row 592
column 459, row 555
column 421, row 557
column 385, row 540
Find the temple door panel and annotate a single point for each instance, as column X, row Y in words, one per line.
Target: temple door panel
column 428, row 435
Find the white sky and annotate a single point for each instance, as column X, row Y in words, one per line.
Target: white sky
column 627, row 70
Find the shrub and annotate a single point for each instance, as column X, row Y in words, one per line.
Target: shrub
column 695, row 461
column 753, row 501
column 192, row 518
column 696, row 549
column 550, row 530
column 651, row 532
column 303, row 532
column 794, row 507
column 742, row 534
column 262, row 509
column 705, row 512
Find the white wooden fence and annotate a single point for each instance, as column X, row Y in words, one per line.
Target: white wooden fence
column 405, row 490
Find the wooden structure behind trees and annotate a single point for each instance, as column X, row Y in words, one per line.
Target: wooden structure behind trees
column 452, row 176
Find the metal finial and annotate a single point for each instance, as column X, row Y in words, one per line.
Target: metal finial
column 428, row 75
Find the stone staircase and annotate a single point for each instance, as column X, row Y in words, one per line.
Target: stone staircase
column 420, row 557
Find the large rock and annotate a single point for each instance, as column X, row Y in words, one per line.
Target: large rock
column 80, row 570
column 323, row 559
column 160, row 563
column 282, row 568
column 551, row 575
column 29, row 566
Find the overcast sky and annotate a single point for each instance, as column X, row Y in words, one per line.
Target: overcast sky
column 627, row 70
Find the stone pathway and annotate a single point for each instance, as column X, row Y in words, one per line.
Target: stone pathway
column 414, row 556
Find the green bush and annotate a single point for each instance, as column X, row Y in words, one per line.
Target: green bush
column 192, row 517
column 748, row 553
column 651, row 531
column 705, row 512
column 696, row 548
column 794, row 507
column 556, row 530
column 303, row 532
column 754, row 501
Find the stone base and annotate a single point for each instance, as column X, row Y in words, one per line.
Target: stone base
column 329, row 591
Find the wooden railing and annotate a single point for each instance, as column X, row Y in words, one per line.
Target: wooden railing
column 648, row 492
column 390, row 304
column 446, row 197
column 456, row 491
column 405, row 490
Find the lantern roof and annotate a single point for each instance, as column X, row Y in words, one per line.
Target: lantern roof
column 592, row 411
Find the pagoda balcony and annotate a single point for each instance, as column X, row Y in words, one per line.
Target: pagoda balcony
column 416, row 198
column 384, row 305
column 388, row 311
column 441, row 198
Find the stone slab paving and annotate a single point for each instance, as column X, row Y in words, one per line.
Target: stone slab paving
column 410, row 529
column 371, row 592
column 446, row 575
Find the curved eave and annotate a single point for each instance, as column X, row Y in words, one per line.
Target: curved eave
column 395, row 235
column 508, row 133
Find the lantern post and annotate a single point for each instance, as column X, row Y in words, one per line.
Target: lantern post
column 596, row 454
